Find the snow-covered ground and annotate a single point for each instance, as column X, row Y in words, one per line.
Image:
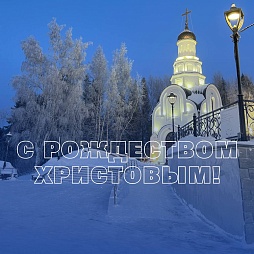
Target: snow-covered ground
column 80, row 219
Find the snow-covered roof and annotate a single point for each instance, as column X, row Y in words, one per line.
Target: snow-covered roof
column 197, row 98
column 198, row 93
column 199, row 89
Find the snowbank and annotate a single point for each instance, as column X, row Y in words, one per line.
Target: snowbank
column 8, row 171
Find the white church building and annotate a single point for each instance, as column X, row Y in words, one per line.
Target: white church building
column 192, row 93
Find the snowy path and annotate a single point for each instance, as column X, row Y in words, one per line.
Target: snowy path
column 74, row 219
column 161, row 213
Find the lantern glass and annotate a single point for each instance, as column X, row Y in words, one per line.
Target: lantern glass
column 8, row 136
column 172, row 98
column 234, row 18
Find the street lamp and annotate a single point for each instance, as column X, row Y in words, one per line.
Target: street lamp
column 234, row 18
column 172, row 99
column 8, row 138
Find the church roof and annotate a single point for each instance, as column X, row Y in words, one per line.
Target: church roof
column 199, row 89
column 186, row 34
column 197, row 98
column 186, row 90
column 198, row 94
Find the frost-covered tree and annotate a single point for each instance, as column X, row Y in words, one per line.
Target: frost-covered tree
column 134, row 127
column 146, row 123
column 49, row 90
column 94, row 94
column 121, row 97
column 155, row 86
column 223, row 87
column 247, row 87
column 139, row 127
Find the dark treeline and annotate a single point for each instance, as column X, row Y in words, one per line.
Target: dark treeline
column 229, row 91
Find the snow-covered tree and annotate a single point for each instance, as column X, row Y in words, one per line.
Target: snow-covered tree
column 223, row 87
column 155, row 86
column 247, row 87
column 121, row 97
column 94, row 94
column 146, row 126
column 49, row 90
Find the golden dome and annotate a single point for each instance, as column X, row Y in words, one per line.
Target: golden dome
column 186, row 34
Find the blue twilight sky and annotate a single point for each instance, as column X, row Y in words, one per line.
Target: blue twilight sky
column 148, row 27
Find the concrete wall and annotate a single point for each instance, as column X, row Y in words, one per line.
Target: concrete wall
column 230, row 204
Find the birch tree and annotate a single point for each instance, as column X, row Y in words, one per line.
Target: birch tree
column 49, row 90
column 120, row 105
column 95, row 93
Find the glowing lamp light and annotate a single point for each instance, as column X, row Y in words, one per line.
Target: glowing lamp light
column 8, row 136
column 234, row 18
column 172, row 98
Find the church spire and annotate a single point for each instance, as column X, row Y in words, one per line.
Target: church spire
column 186, row 34
column 186, row 19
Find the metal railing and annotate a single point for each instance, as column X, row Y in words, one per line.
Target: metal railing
column 249, row 117
column 209, row 125
column 130, row 164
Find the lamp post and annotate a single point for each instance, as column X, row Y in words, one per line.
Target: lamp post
column 234, row 18
column 212, row 106
column 8, row 138
column 172, row 99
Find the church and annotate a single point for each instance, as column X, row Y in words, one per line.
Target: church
column 188, row 89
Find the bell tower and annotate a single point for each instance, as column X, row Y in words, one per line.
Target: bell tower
column 187, row 67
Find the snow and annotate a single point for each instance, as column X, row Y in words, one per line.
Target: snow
column 81, row 159
column 197, row 98
column 8, row 165
column 81, row 219
column 199, row 89
column 9, row 169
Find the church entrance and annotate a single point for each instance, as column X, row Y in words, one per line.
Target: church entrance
column 169, row 137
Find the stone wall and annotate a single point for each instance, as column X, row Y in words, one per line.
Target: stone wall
column 246, row 167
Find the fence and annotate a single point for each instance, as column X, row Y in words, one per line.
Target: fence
column 130, row 164
column 210, row 124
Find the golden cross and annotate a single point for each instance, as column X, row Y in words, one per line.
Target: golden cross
column 186, row 21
